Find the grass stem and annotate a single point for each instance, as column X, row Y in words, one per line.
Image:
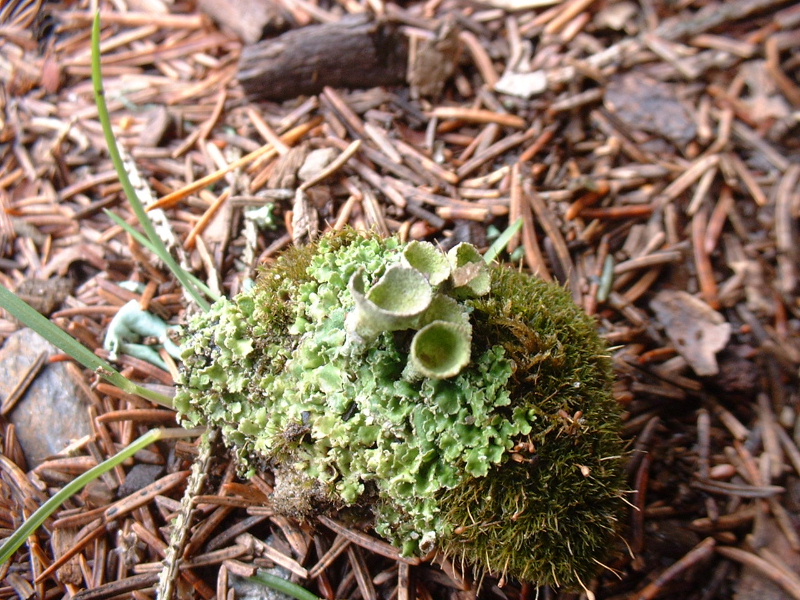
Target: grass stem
column 32, row 523
column 124, row 179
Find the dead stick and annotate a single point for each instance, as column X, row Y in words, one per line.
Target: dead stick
column 705, row 271
column 290, row 137
column 698, row 554
column 353, row 53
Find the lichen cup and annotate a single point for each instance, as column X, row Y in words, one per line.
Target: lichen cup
column 478, row 422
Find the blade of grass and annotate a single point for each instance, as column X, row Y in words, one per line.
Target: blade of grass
column 130, row 192
column 32, row 523
column 62, row 340
column 282, row 585
column 501, row 242
column 136, row 235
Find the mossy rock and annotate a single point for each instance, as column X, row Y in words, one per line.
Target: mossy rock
column 512, row 464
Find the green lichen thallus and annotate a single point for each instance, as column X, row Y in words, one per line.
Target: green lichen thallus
column 424, row 393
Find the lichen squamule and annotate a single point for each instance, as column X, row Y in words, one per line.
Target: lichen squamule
column 422, row 393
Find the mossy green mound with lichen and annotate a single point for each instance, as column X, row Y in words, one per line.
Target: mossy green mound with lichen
column 507, row 456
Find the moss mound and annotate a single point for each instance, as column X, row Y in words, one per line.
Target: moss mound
column 478, row 421
column 547, row 512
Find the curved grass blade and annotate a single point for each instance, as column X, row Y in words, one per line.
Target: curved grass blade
column 281, row 585
column 62, row 340
column 130, row 192
column 501, row 242
column 140, row 238
column 32, row 523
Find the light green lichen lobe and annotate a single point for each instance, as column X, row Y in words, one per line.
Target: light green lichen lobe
column 388, row 379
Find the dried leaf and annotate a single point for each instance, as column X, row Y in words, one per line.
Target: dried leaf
column 646, row 104
column 764, row 99
column 697, row 330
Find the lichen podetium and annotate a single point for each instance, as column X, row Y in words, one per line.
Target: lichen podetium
column 457, row 406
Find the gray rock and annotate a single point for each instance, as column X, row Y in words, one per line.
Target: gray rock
column 140, row 476
column 247, row 589
column 53, row 412
column 250, row 590
column 646, row 104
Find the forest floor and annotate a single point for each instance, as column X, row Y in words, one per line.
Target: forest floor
column 649, row 150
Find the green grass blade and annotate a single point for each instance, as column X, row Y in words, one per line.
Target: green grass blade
column 281, row 585
column 35, row 521
column 32, row 523
column 501, row 242
column 62, row 340
column 119, row 167
column 146, row 243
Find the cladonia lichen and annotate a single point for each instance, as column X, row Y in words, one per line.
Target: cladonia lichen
column 422, row 391
column 130, row 325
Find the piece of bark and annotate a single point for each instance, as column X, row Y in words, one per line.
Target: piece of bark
column 432, row 61
column 249, row 19
column 353, row 53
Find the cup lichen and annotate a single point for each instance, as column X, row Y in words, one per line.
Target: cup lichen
column 476, row 419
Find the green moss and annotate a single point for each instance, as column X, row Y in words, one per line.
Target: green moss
column 547, row 514
column 505, row 454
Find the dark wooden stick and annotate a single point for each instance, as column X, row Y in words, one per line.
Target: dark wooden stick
column 353, row 53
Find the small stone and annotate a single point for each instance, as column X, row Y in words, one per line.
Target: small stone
column 140, row 476
column 431, row 62
column 45, row 295
column 54, row 411
column 738, row 375
column 646, row 104
column 247, row 589
column 524, row 85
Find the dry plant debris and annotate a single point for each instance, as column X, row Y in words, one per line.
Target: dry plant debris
column 647, row 148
